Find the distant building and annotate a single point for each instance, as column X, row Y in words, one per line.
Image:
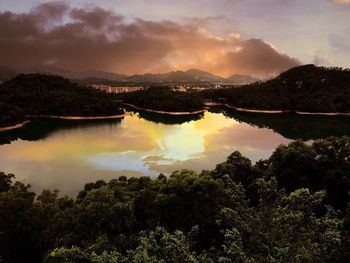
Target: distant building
column 110, row 89
column 180, row 88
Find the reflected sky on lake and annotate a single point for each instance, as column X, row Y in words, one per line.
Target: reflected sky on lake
column 67, row 159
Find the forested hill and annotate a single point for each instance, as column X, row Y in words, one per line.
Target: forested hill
column 37, row 94
column 164, row 99
column 303, row 88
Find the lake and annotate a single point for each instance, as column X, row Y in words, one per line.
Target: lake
column 60, row 154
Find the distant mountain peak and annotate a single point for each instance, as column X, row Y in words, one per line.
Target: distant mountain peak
column 203, row 75
column 238, row 79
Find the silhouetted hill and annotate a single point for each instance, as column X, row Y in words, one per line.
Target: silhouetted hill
column 304, row 88
column 203, row 75
column 37, row 94
column 190, row 76
column 173, row 76
column 96, row 74
column 163, row 99
column 178, row 76
column 7, row 73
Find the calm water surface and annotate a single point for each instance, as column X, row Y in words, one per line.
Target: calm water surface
column 67, row 154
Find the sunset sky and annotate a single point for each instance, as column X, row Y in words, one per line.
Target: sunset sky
column 255, row 37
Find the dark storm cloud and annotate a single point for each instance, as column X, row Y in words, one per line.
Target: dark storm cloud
column 95, row 38
column 50, row 11
column 97, row 18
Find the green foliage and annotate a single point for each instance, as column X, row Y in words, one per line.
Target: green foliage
column 233, row 249
column 19, row 232
column 283, row 228
column 323, row 165
column 62, row 255
column 5, row 181
column 345, row 237
column 163, row 247
column 289, row 208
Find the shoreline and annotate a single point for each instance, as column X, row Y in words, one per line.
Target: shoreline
column 178, row 113
column 208, row 104
column 278, row 111
column 18, row 125
column 77, row 117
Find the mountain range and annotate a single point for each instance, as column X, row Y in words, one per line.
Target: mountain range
column 188, row 76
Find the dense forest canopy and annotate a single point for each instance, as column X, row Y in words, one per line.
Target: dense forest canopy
column 292, row 207
column 304, row 88
column 164, row 99
column 37, row 94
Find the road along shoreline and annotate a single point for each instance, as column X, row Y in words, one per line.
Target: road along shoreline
column 211, row 104
column 18, row 125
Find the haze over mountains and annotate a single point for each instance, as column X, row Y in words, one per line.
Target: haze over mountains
column 241, row 79
column 190, row 76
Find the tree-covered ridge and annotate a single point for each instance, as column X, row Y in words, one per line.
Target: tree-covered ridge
column 37, row 94
column 288, row 208
column 305, row 88
column 164, row 99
